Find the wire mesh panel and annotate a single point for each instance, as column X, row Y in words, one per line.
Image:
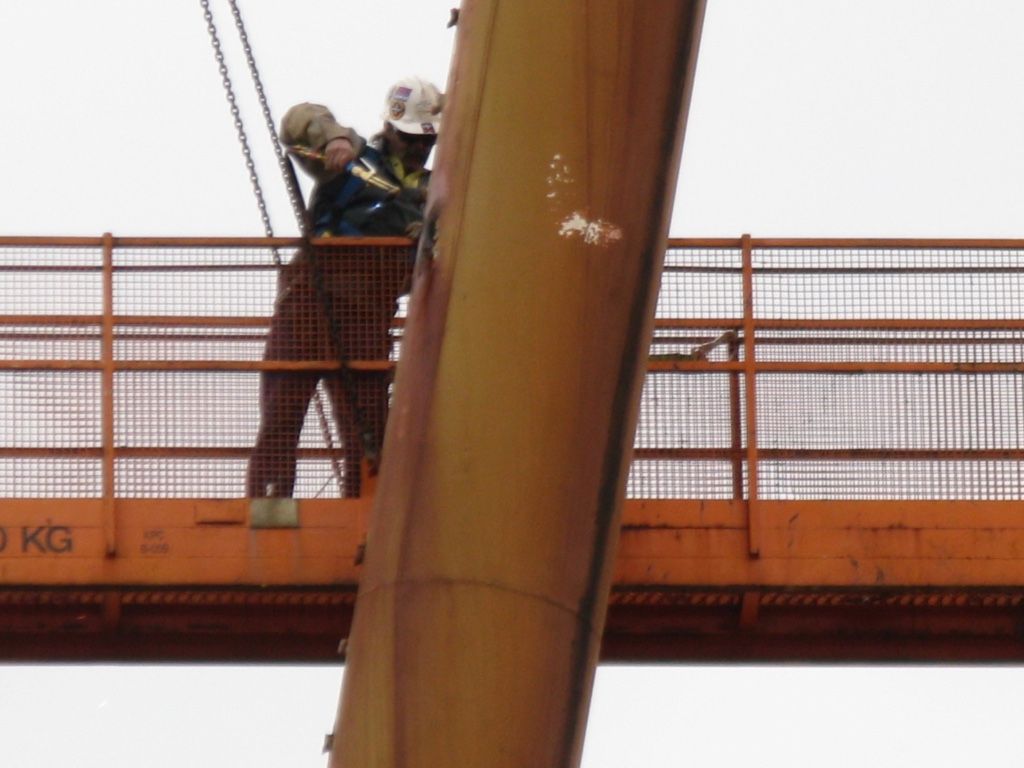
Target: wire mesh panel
column 680, row 479
column 888, row 372
column 905, row 479
column 49, row 401
column 892, row 283
column 183, row 432
column 183, row 340
column 294, row 426
column 880, row 372
column 50, row 433
column 195, row 282
column 685, row 412
column 50, row 280
column 701, row 283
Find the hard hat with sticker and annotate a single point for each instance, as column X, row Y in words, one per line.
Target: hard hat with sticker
column 414, row 106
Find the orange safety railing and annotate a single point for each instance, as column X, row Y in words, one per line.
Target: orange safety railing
column 852, row 369
column 130, row 366
column 779, row 369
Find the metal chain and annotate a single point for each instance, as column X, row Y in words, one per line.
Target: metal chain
column 366, row 434
column 287, row 171
column 243, row 140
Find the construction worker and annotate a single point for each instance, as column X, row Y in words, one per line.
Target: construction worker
column 337, row 304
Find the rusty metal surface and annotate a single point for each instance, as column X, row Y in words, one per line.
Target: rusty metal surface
column 490, row 549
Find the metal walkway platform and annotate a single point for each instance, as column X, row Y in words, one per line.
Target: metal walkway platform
column 829, row 460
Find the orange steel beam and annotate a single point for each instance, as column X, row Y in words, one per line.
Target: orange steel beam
column 665, row 544
column 490, row 548
column 836, row 580
column 303, row 626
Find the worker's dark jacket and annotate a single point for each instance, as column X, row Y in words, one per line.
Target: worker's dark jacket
column 347, row 205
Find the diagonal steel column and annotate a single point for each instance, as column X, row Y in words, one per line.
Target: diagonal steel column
column 490, row 550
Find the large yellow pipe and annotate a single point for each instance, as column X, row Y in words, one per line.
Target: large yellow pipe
column 488, row 560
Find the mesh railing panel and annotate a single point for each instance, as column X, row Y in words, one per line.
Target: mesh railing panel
column 691, row 411
column 871, row 283
column 701, row 283
column 184, row 354
column 889, row 373
column 694, row 479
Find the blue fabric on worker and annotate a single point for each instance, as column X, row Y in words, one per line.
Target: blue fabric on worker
column 349, row 206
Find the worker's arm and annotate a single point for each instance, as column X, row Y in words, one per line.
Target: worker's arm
column 314, row 127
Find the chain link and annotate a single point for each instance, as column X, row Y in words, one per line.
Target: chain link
column 369, row 443
column 366, row 434
column 243, row 139
column 291, row 183
column 283, row 163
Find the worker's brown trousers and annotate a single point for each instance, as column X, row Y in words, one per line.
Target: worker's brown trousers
column 361, row 287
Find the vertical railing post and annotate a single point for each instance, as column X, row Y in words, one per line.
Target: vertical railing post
column 107, row 397
column 750, row 382
column 735, row 419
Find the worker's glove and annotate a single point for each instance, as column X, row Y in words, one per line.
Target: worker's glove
column 338, row 154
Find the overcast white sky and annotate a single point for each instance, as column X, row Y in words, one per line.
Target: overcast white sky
column 810, row 117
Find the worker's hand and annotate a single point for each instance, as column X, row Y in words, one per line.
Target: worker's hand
column 338, row 154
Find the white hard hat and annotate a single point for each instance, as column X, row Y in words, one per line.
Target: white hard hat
column 414, row 106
